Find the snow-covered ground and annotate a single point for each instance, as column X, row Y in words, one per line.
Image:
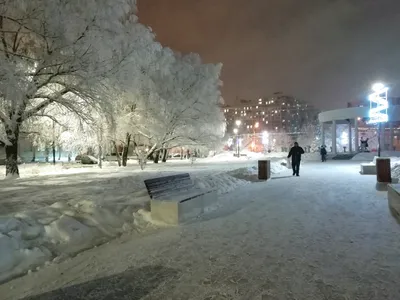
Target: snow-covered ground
column 54, row 211
column 325, row 235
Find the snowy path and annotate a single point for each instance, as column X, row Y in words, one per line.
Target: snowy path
column 325, row 235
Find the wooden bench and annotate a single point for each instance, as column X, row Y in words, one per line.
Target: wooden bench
column 175, row 199
column 394, row 198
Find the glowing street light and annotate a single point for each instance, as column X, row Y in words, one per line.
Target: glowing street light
column 265, row 137
column 378, row 87
column 256, row 125
column 235, row 131
column 238, row 123
column 378, row 112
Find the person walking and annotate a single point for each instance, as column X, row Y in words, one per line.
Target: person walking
column 323, row 153
column 295, row 153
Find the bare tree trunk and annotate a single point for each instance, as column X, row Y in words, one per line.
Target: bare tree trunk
column 117, row 153
column 126, row 149
column 59, row 152
column 156, row 156
column 12, row 152
column 46, row 153
column 33, row 154
column 165, row 155
column 54, row 153
column 100, row 156
column 54, row 145
column 181, row 153
column 69, row 156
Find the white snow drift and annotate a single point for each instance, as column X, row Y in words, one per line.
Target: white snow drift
column 32, row 238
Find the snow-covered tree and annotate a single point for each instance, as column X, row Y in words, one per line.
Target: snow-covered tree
column 56, row 52
column 186, row 110
column 309, row 135
column 175, row 104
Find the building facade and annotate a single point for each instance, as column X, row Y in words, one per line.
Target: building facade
column 277, row 113
column 355, row 120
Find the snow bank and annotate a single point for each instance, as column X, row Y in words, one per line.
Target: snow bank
column 369, row 156
column 394, row 162
column 251, row 173
column 245, row 155
column 222, row 182
column 32, row 238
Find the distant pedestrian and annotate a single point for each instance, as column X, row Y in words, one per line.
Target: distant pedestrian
column 323, row 153
column 295, row 153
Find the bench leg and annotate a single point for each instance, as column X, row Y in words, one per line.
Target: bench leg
column 165, row 211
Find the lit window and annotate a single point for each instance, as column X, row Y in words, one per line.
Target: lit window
column 276, row 128
column 266, row 122
column 235, row 112
column 283, row 120
column 276, row 111
column 248, row 126
column 263, row 112
column 256, row 106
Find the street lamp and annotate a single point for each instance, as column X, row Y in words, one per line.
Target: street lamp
column 236, row 131
column 238, row 123
column 256, row 125
column 265, row 138
column 378, row 112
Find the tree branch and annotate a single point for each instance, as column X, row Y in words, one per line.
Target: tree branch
column 43, row 104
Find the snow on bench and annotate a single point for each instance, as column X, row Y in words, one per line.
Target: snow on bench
column 175, row 199
column 368, row 169
column 394, row 198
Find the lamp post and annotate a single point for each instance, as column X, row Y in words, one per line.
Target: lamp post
column 236, row 131
column 256, row 125
column 378, row 112
column 265, row 138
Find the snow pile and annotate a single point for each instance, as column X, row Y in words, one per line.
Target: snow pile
column 369, row 156
column 394, row 163
column 251, row 173
column 222, row 182
column 230, row 156
column 395, row 167
column 244, row 155
column 280, row 166
column 32, row 238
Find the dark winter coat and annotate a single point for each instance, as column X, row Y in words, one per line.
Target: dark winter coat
column 323, row 151
column 295, row 153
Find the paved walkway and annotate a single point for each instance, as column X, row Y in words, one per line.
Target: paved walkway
column 325, row 235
